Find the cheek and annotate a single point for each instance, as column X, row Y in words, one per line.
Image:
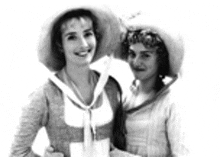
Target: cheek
column 69, row 46
column 93, row 42
column 129, row 61
column 65, row 44
column 155, row 67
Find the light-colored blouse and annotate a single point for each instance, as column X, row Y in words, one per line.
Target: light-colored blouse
column 155, row 129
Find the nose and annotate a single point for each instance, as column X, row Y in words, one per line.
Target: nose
column 83, row 42
column 136, row 61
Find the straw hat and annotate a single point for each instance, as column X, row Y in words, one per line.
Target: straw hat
column 108, row 28
column 171, row 37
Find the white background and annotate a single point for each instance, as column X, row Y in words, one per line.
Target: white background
column 198, row 21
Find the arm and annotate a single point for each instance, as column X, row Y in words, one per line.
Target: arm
column 118, row 132
column 177, row 132
column 32, row 119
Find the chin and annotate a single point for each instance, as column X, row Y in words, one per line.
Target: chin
column 138, row 77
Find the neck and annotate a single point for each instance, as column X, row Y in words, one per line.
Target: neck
column 79, row 75
column 147, row 86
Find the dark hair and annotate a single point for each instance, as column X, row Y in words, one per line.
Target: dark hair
column 56, row 59
column 149, row 39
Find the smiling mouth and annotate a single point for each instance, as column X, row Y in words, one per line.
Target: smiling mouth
column 138, row 69
column 83, row 53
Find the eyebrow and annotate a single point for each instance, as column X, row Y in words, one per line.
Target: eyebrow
column 143, row 51
column 73, row 33
column 69, row 33
column 89, row 29
column 147, row 51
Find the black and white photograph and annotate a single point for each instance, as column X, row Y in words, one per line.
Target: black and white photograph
column 110, row 78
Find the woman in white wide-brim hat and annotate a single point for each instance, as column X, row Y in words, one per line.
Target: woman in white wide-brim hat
column 152, row 115
column 76, row 105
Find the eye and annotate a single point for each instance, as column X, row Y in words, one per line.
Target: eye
column 89, row 34
column 145, row 55
column 131, row 53
column 71, row 37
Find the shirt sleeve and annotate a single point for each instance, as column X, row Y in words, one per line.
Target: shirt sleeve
column 176, row 131
column 33, row 117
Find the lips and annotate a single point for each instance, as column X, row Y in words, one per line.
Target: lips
column 138, row 69
column 83, row 53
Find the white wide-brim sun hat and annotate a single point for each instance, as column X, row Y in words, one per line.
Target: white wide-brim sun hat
column 108, row 26
column 170, row 34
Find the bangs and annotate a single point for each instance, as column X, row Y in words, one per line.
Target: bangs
column 148, row 38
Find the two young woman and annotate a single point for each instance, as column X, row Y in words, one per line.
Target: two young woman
column 77, row 105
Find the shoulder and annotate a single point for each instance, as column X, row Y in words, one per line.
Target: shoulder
column 170, row 93
column 172, row 100
column 44, row 92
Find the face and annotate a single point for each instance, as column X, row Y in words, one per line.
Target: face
column 143, row 62
column 78, row 40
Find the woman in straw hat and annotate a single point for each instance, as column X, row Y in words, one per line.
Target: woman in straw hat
column 76, row 105
column 152, row 119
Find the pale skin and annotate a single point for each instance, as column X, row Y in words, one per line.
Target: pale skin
column 79, row 45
